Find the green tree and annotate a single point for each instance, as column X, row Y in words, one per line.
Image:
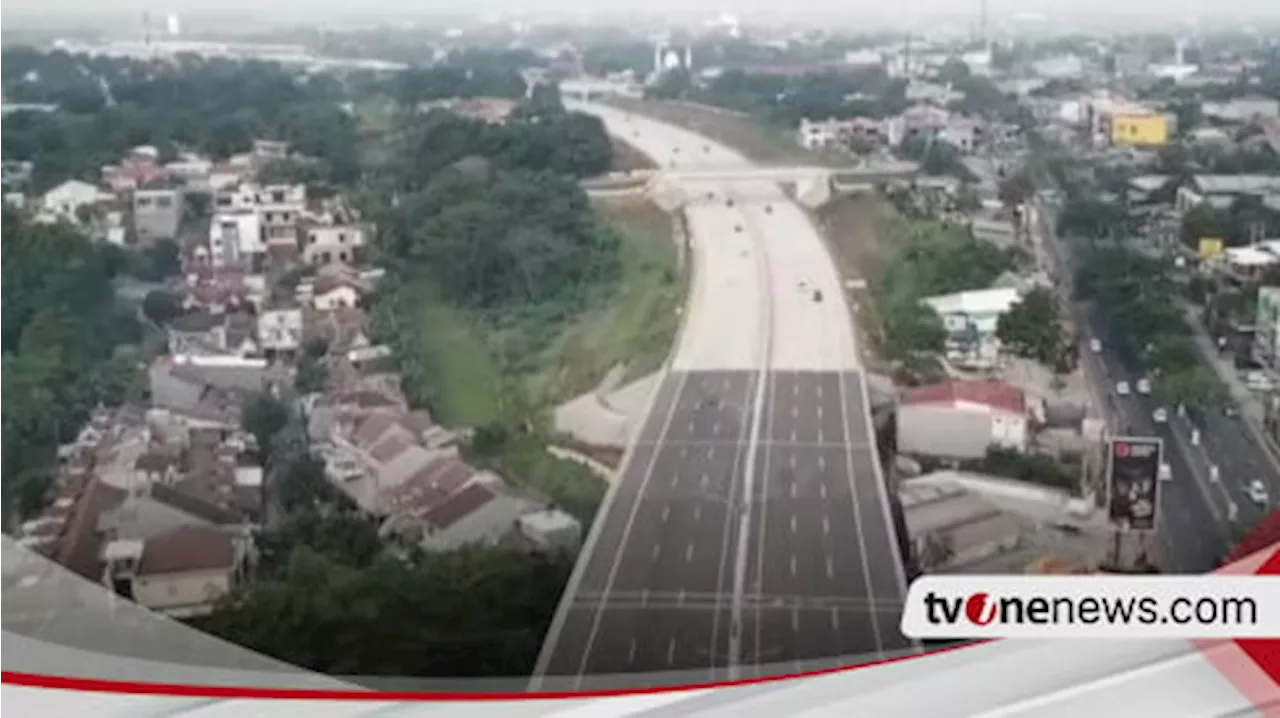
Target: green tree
column 160, row 306
column 1031, row 328
column 265, row 416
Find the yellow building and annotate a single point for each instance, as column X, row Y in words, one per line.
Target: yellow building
column 1139, row 130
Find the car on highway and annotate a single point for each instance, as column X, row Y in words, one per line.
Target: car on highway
column 768, row 209
column 1095, row 346
column 1231, row 411
column 1257, row 492
column 1164, row 473
column 737, row 228
column 1160, row 415
column 1144, row 386
column 728, row 202
column 817, row 295
column 706, row 149
column 711, row 195
column 1122, row 388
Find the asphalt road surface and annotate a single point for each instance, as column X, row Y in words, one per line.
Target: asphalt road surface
column 823, row 581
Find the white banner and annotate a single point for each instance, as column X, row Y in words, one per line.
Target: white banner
column 1100, row 606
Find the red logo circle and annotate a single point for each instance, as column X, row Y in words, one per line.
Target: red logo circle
column 980, row 609
column 1122, row 450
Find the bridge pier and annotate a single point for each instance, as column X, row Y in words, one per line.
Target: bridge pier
column 813, row 192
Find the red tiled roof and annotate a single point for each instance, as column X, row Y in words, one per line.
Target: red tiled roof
column 458, row 506
column 994, row 394
column 187, row 548
column 80, row 547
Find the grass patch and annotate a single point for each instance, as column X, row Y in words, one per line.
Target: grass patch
column 635, row 325
column 447, row 364
column 763, row 143
column 855, row 228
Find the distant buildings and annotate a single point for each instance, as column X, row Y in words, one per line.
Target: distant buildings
column 962, row 419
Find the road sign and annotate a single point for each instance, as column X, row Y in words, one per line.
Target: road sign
column 1133, row 470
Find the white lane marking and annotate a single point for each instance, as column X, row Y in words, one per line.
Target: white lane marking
column 831, row 569
column 666, row 513
column 826, row 526
column 793, row 523
column 684, row 452
column 791, row 461
column 691, row 432
column 725, row 384
column 793, row 490
column 697, row 512
column 671, row 651
column 715, row 429
column 835, row 619
column 675, row 479
column 822, row 460
column 702, row 482
column 711, row 451
column 822, row 490
column 795, row 391
column 793, row 565
column 793, row 434
column 631, row 653
column 820, row 437
column 818, row 387
column 656, row 551
column 795, row 412
column 688, row 553
column 819, row 411
column 795, row 618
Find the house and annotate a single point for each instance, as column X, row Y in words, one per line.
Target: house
column 551, row 530
column 483, row 514
column 280, row 329
column 233, row 373
column 1241, row 110
column 199, row 332
column 157, row 211
column 270, row 150
column 962, row 419
column 964, row 134
column 333, row 294
column 181, row 573
column 1221, row 191
column 66, row 199
column 336, row 243
column 235, row 237
column 970, row 319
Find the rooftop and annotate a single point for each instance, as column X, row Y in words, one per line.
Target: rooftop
column 188, row 548
column 994, row 394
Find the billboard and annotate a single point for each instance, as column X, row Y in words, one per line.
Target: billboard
column 1139, row 130
column 1209, row 248
column 1133, row 468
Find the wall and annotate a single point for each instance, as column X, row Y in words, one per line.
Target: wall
column 190, row 593
column 937, row 430
column 156, row 215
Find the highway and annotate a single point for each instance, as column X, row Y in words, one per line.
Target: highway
column 1192, row 533
column 749, row 532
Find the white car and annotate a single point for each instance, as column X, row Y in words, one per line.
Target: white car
column 1095, row 346
column 1144, row 386
column 1164, row 473
column 1160, row 415
column 1257, row 492
column 1122, row 388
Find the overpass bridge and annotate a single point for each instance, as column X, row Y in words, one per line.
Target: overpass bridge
column 679, row 185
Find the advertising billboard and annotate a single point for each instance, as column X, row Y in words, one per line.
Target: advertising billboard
column 1139, row 130
column 1133, row 468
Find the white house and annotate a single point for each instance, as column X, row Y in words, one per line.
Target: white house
column 235, row 237
column 330, row 297
column 334, row 243
column 970, row 319
column 181, row 573
column 962, row 419
column 280, row 329
column 68, row 197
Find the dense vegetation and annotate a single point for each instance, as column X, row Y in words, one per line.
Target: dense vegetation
column 1146, row 324
column 60, row 334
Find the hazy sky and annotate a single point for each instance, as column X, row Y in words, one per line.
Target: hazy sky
column 313, row 9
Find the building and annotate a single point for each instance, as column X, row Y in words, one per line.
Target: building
column 962, row 419
column 1134, row 130
column 66, row 199
column 235, row 237
column 180, row 573
column 199, row 332
column 157, row 212
column 1266, row 336
column 334, row 293
column 332, row 243
column 280, row 329
column 970, row 319
column 551, row 530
